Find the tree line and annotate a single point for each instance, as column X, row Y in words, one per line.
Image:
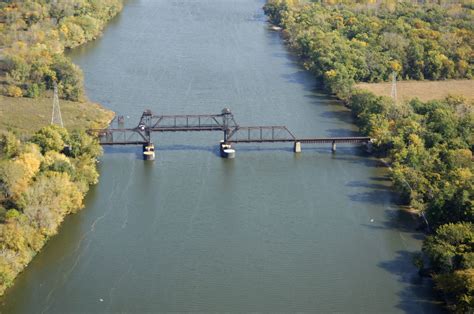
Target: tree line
column 428, row 144
column 41, row 181
column 33, row 37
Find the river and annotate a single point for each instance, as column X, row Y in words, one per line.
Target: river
column 268, row 231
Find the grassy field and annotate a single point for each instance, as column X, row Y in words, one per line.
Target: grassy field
column 24, row 116
column 424, row 90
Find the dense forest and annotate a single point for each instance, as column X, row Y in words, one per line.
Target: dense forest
column 33, row 37
column 41, row 181
column 344, row 44
column 428, row 145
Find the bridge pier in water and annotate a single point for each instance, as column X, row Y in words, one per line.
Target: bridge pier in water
column 297, row 147
column 333, row 146
column 149, row 151
column 226, row 150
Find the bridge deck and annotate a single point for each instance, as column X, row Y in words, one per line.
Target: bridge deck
column 318, row 140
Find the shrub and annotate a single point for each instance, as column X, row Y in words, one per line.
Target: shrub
column 14, row 91
column 9, row 145
column 12, row 213
column 33, row 91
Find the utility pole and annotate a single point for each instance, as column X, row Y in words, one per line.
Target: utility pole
column 394, row 87
column 56, row 115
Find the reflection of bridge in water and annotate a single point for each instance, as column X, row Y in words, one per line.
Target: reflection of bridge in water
column 223, row 122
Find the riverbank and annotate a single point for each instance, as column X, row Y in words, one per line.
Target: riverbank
column 25, row 116
column 41, row 183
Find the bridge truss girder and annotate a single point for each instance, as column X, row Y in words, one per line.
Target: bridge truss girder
column 223, row 122
column 205, row 122
column 259, row 134
column 122, row 136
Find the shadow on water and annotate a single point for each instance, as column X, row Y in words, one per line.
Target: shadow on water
column 359, row 183
column 360, row 157
column 341, row 115
column 412, row 296
column 282, row 55
column 214, row 149
column 299, row 77
column 348, row 154
column 381, row 179
column 395, row 218
column 381, row 197
column 341, row 132
column 124, row 150
column 379, row 190
column 258, row 17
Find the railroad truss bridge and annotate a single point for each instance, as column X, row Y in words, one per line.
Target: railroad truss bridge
column 223, row 122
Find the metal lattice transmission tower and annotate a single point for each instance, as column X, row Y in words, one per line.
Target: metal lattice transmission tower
column 393, row 94
column 56, row 115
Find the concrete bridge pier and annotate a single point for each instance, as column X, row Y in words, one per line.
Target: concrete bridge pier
column 149, row 151
column 297, row 147
column 333, row 146
column 369, row 146
column 226, row 150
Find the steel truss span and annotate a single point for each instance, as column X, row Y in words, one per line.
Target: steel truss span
column 118, row 134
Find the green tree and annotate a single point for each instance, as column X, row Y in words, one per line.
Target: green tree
column 9, row 145
column 450, row 246
column 84, row 144
column 459, row 287
column 69, row 76
column 51, row 138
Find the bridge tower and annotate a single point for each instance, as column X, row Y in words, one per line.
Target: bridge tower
column 144, row 127
column 226, row 149
column 56, row 117
column 227, row 118
column 145, row 124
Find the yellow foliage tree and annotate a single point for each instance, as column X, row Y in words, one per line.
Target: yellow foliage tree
column 14, row 91
column 49, row 199
column 30, row 162
column 396, row 66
